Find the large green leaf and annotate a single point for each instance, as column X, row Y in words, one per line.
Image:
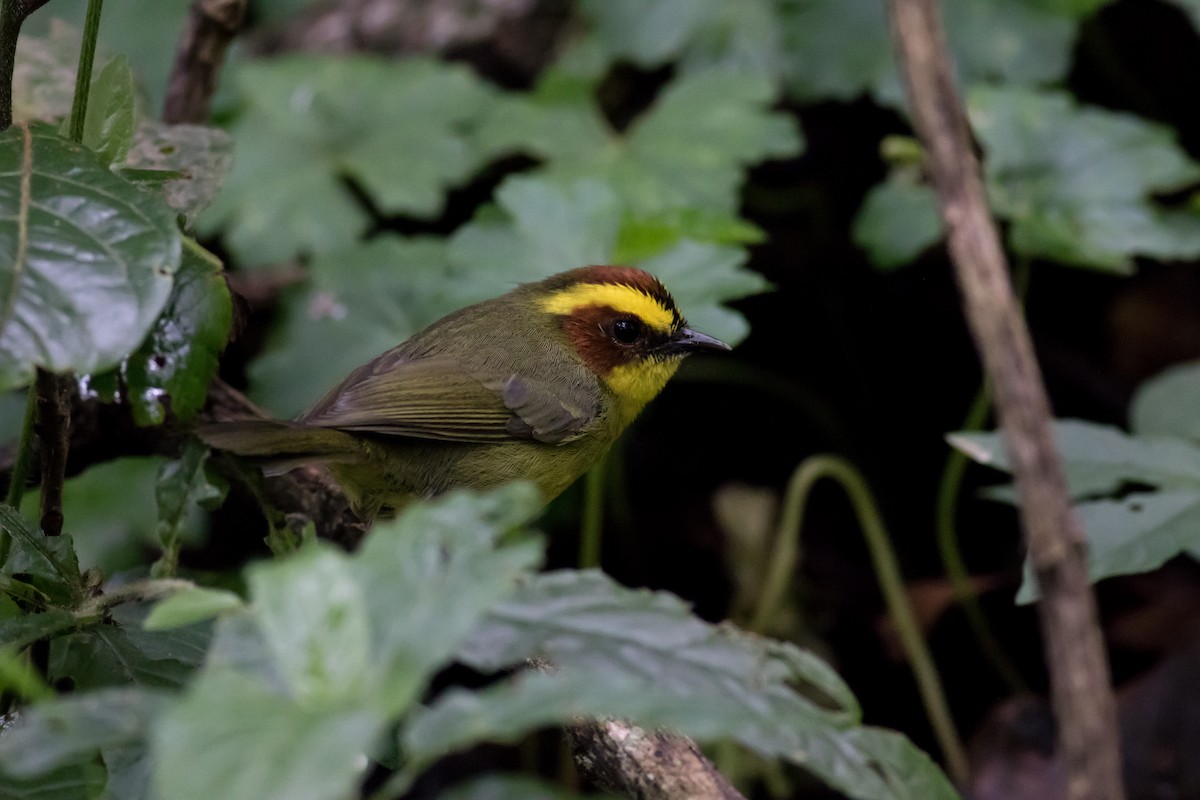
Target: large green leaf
column 235, row 738
column 643, row 655
column 898, row 220
column 397, row 128
column 1127, row 534
column 87, row 260
column 1076, row 182
column 690, row 149
column 70, row 729
column 331, row 647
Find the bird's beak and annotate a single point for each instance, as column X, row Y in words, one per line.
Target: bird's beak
column 687, row 341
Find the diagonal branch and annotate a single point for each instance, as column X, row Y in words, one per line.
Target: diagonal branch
column 1079, row 677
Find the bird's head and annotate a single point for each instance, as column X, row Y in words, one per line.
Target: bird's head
column 625, row 326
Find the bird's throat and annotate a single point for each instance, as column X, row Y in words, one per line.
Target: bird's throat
column 638, row 383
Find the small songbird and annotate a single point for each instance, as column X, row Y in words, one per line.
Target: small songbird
column 535, row 384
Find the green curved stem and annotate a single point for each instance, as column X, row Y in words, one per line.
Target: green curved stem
column 887, row 572
column 83, row 76
column 946, row 524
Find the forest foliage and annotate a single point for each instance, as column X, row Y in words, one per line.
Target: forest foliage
column 307, row 674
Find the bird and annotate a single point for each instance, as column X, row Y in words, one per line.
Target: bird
column 536, row 384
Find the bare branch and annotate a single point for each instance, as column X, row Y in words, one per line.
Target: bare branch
column 210, row 26
column 1081, row 693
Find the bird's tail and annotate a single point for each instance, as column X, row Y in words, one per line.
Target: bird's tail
column 280, row 445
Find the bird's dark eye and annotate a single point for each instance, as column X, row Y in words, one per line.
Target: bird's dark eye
column 626, row 331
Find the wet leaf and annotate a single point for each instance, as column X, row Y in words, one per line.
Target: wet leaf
column 87, row 262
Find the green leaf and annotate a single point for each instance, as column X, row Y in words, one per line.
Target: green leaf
column 67, row 783
column 313, row 617
column 182, row 486
column 839, row 49
column 358, row 303
column 178, row 359
column 1137, row 533
column 1166, row 405
column 194, row 160
column 299, row 752
column 86, row 259
column 191, row 606
column 444, row 563
column 48, row 562
column 108, row 126
column 1076, row 182
column 395, row 127
column 639, row 654
column 702, row 34
column 17, row 633
column 111, row 530
column 70, row 729
column 1098, row 459
column 122, row 653
column 898, row 221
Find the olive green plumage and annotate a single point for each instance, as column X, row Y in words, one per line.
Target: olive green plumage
column 501, row 390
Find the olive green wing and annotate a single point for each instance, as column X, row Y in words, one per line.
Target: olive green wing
column 436, row 398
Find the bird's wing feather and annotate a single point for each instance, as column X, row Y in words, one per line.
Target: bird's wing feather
column 436, row 398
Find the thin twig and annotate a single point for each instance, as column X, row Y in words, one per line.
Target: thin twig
column 13, row 14
column 1079, row 678
column 210, row 27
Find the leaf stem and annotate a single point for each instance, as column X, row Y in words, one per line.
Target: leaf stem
column 592, row 526
column 83, row 76
column 887, row 572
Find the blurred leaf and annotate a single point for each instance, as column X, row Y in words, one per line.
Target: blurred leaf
column 332, row 646
column 395, row 127
column 112, row 529
column 183, row 484
column 178, row 359
column 44, row 74
column 47, row 562
column 120, row 653
column 313, row 617
column 358, row 303
column 144, row 30
column 897, row 222
column 445, row 563
column 643, row 237
column 1137, row 533
column 742, row 36
column 203, row 155
column 1076, row 182
column 108, row 126
column 553, row 228
column 839, row 49
column 191, row 606
column 709, row 682
column 17, row 633
column 87, row 258
column 1099, row 458
column 298, row 752
column 70, row 729
column 1169, row 404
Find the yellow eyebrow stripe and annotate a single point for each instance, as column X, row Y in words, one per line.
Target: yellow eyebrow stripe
column 625, row 299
